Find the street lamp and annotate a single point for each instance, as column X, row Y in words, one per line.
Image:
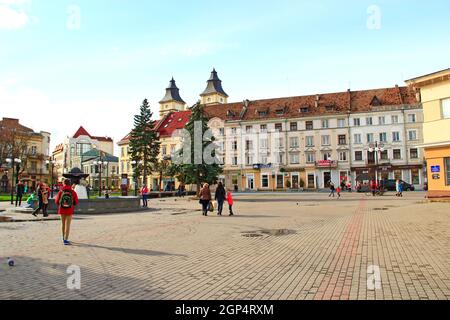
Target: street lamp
column 51, row 163
column 100, row 165
column 378, row 149
column 134, row 165
column 15, row 164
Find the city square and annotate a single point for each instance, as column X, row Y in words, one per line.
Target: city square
column 277, row 246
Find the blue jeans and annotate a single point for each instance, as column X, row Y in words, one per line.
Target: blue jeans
column 144, row 200
column 220, row 206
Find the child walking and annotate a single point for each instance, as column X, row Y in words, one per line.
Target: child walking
column 230, row 202
column 66, row 200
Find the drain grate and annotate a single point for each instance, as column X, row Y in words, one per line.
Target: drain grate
column 270, row 232
column 252, row 235
column 380, row 209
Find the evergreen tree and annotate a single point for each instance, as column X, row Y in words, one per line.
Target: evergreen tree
column 198, row 171
column 144, row 143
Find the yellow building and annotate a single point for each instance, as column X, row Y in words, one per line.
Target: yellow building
column 30, row 152
column 434, row 92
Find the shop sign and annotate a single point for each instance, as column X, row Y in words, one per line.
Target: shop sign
column 436, row 176
column 435, row 168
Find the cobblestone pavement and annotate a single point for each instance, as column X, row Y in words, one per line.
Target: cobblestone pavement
column 324, row 251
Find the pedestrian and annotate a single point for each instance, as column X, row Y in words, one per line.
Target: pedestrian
column 45, row 195
column 220, row 197
column 20, row 190
column 374, row 187
column 144, row 194
column 400, row 189
column 338, row 192
column 230, row 202
column 397, row 188
column 332, row 190
column 31, row 200
column 205, row 198
column 40, row 203
column 66, row 200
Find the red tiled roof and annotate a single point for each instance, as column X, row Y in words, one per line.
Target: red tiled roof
column 104, row 139
column 328, row 104
column 11, row 123
column 81, row 132
column 173, row 121
column 126, row 139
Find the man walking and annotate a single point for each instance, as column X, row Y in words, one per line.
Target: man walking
column 19, row 193
column 220, row 197
column 332, row 190
column 40, row 199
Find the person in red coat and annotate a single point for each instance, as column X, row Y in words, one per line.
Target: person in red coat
column 66, row 200
column 230, row 202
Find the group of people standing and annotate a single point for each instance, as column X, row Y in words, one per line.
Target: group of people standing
column 221, row 195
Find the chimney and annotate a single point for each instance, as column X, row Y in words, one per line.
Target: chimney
column 316, row 103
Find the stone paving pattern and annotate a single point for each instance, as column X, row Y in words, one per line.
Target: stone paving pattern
column 173, row 252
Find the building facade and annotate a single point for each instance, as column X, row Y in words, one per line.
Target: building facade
column 30, row 148
column 69, row 154
column 433, row 90
column 103, row 170
column 309, row 141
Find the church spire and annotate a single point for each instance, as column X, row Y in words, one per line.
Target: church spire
column 172, row 101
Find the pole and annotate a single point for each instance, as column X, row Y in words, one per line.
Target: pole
column 376, row 162
column 12, row 181
column 52, row 181
column 100, row 178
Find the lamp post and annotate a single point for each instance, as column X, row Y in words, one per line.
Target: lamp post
column 134, row 164
column 15, row 164
column 51, row 164
column 378, row 149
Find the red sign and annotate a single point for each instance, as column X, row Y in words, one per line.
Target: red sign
column 326, row 163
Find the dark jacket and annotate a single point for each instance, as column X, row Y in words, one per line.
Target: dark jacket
column 20, row 189
column 220, row 194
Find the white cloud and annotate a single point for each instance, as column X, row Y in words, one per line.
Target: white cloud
column 13, row 14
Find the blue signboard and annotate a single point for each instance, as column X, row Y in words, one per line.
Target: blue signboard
column 435, row 168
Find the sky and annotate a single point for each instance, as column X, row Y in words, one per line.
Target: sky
column 92, row 62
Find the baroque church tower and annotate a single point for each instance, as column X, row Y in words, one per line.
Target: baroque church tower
column 172, row 101
column 214, row 93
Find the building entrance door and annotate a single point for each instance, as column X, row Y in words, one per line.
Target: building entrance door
column 295, row 182
column 311, row 181
column 280, row 181
column 326, row 179
column 250, row 182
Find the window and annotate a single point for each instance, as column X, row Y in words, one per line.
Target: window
column 234, row 161
column 263, row 143
column 447, row 170
column 383, row 137
column 233, row 130
column 394, row 119
column 341, row 123
column 369, row 121
column 173, row 146
column 248, row 129
column 325, row 124
column 395, row 136
column 358, row 155
column 412, row 135
column 310, row 141
column 370, row 137
column 33, row 166
column 413, row 153
column 397, row 154
column 294, row 158
column 326, row 156
column 342, row 156
column 357, row 138
column 249, row 160
column 248, row 145
column 294, row 126
column 263, row 128
column 309, row 125
column 278, row 127
column 415, row 178
column 356, row 122
column 311, row 158
column 445, row 108
column 82, row 148
column 325, row 140
column 33, row 150
column 234, row 145
column 265, row 181
column 342, row 139
column 280, row 158
column 384, row 155
column 411, row 117
column 164, row 150
column 122, row 152
column 279, row 143
column 381, row 120
column 293, row 142
column 263, row 158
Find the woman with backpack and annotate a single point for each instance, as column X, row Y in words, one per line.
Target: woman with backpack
column 66, row 200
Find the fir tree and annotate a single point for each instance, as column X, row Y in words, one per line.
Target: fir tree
column 144, row 143
column 198, row 171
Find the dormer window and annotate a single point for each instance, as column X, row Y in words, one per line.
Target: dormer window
column 304, row 109
column 330, row 107
column 262, row 113
column 375, row 102
column 230, row 114
column 279, row 112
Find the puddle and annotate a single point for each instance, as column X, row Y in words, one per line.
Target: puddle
column 380, row 209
